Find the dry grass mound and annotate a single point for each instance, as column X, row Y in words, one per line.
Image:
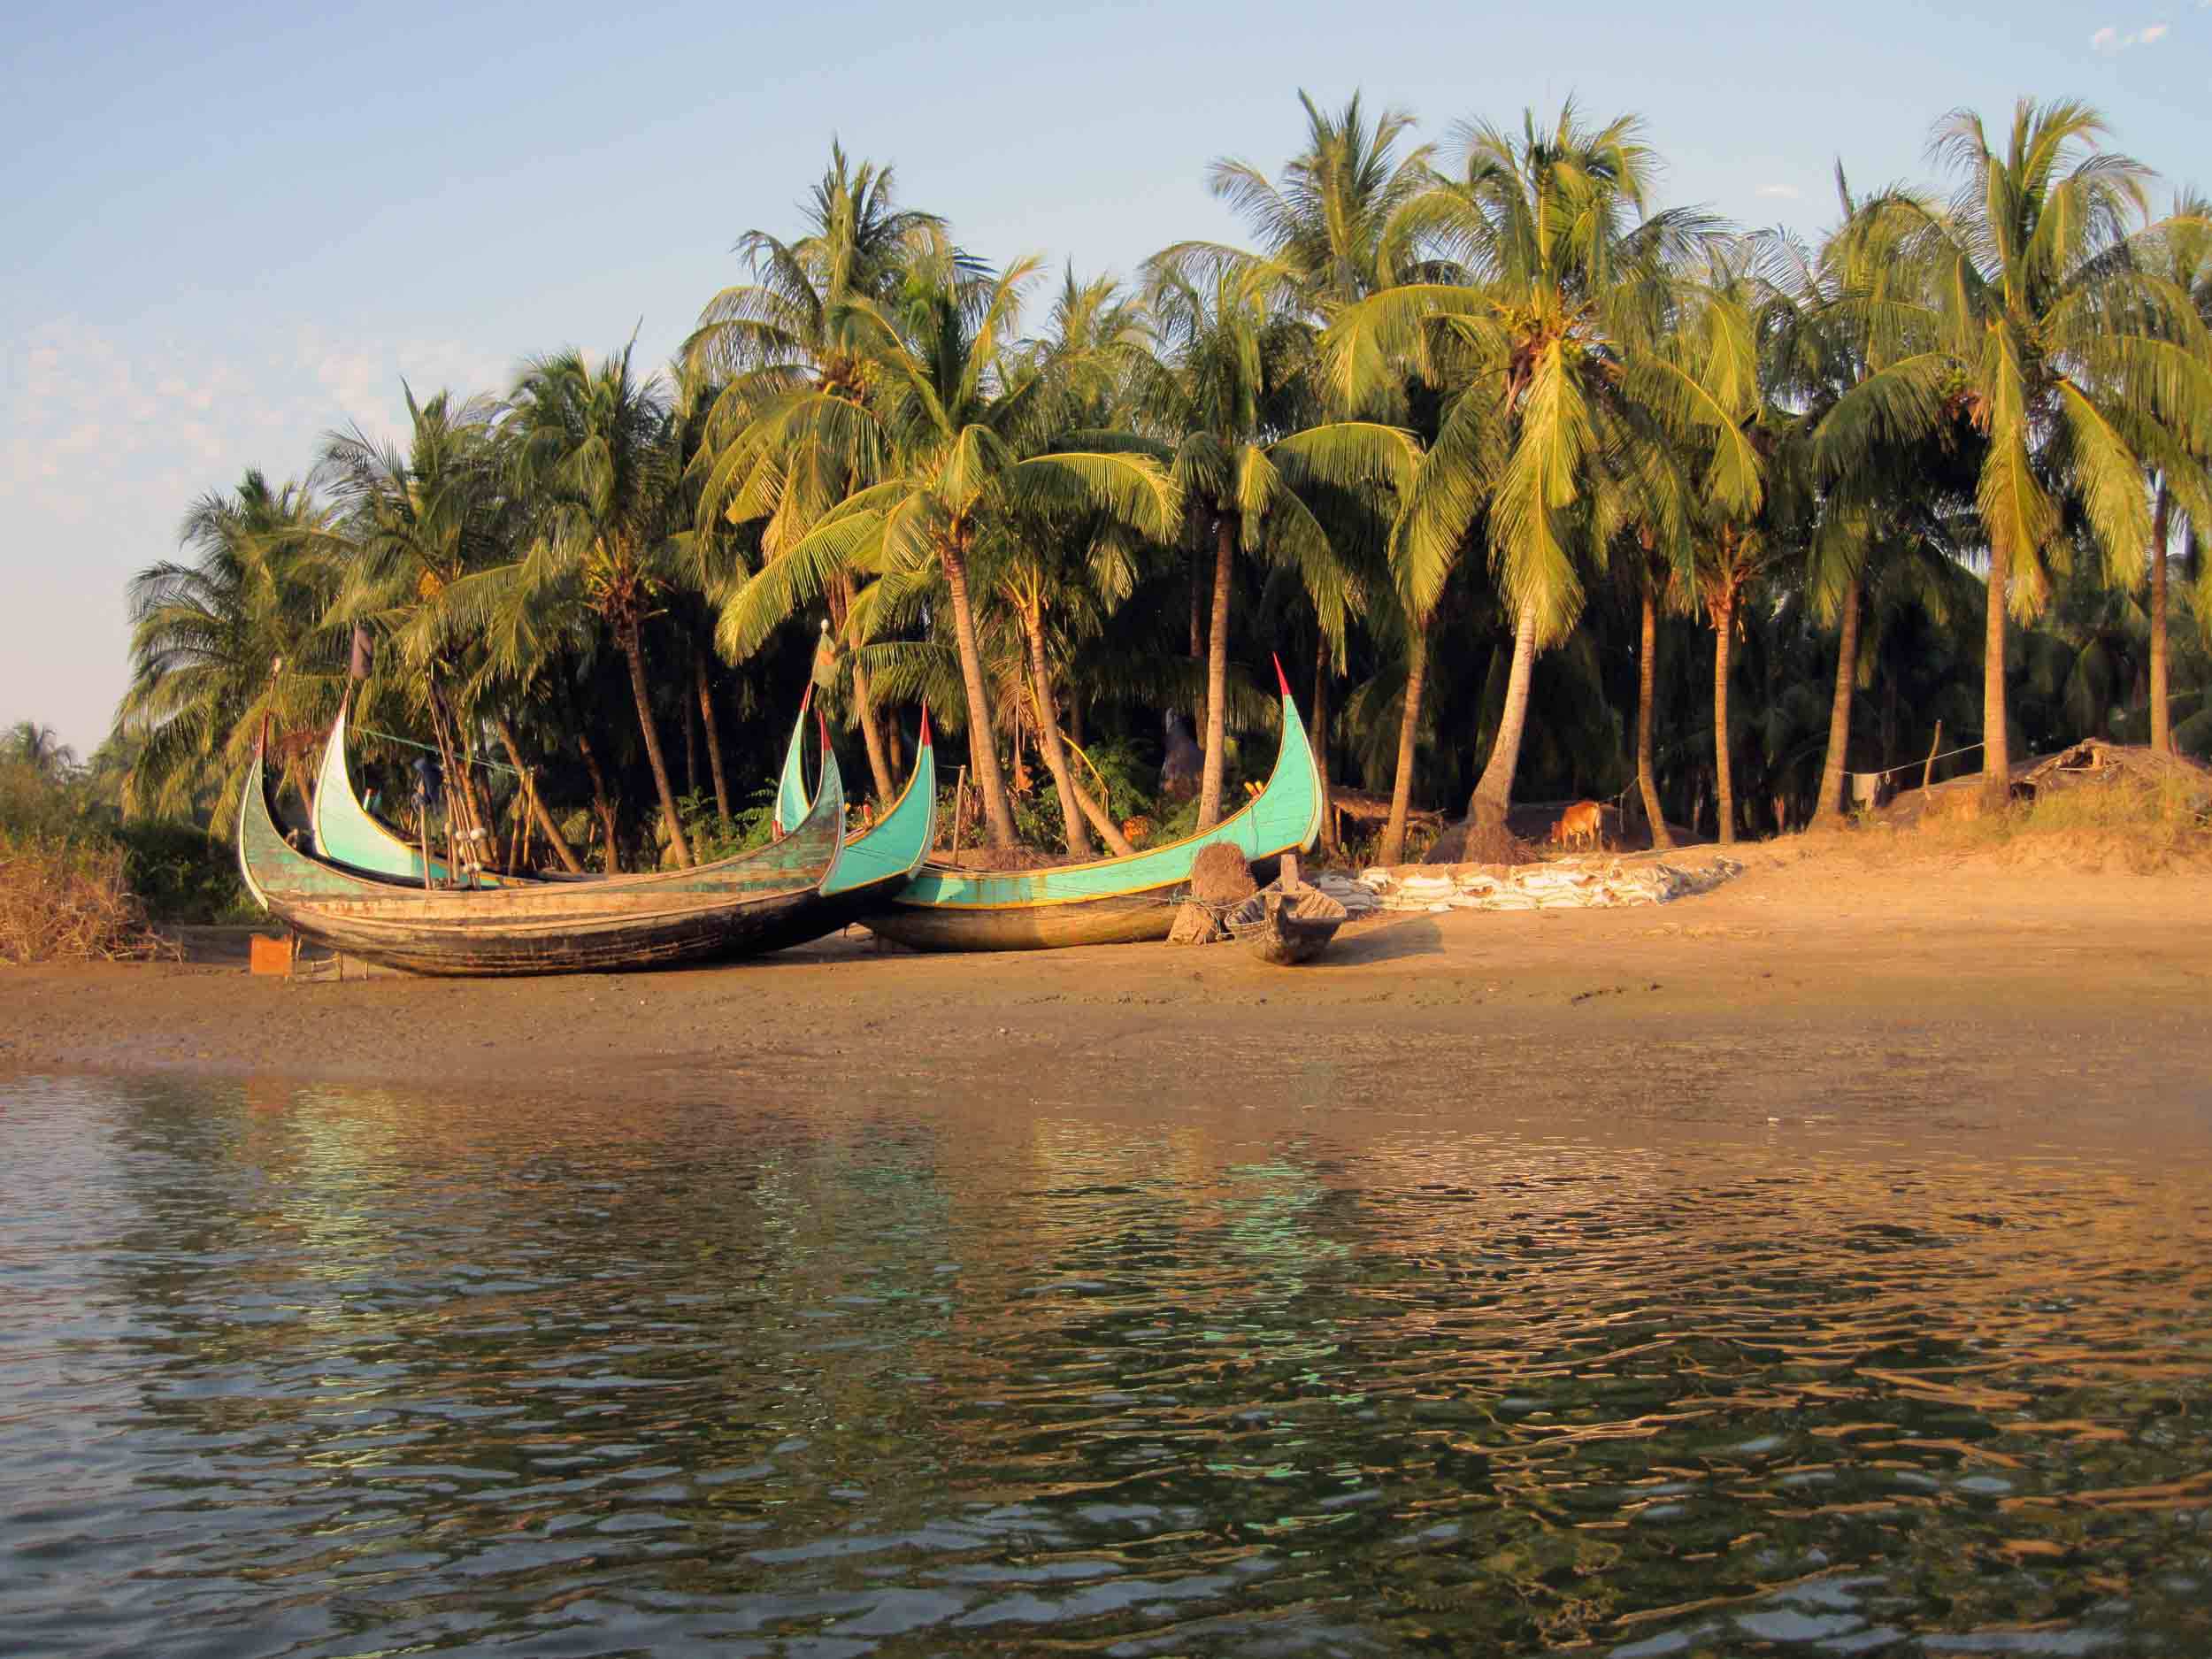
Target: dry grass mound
column 1462, row 844
column 1221, row 876
column 67, row 901
column 2094, row 808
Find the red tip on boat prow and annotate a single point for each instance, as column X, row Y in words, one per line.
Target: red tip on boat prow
column 1281, row 679
column 924, row 725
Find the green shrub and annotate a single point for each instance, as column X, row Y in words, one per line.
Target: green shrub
column 182, row 874
column 713, row 836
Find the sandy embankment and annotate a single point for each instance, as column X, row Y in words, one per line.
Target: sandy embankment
column 1820, row 980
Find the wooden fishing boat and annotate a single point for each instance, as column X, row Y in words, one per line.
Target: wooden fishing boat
column 649, row 920
column 1286, row 926
column 877, row 861
column 347, row 833
column 1111, row 901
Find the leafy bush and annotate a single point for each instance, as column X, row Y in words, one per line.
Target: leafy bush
column 182, row 874
column 1127, row 775
column 713, row 836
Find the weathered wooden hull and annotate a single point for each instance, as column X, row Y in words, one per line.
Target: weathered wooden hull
column 579, row 942
column 660, row 920
column 1267, row 925
column 1133, row 918
column 1109, row 901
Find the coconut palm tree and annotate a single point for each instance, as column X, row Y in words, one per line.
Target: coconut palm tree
column 39, row 747
column 960, row 420
column 1739, row 530
column 410, row 525
column 1543, row 350
column 206, row 631
column 1814, row 347
column 592, row 449
column 773, row 452
column 1232, row 387
column 1337, row 226
column 1344, row 222
column 2041, row 326
column 2176, row 253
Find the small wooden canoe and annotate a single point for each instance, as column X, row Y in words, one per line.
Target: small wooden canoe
column 719, row 910
column 1286, row 927
column 1111, row 900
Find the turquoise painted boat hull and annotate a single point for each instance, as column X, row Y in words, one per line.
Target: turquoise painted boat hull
column 1111, row 901
column 657, row 919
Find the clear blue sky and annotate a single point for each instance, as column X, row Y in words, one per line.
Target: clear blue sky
column 231, row 227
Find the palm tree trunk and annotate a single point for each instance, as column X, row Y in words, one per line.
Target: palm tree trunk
column 1493, row 793
column 691, row 749
column 1393, row 838
column 1048, row 734
column 864, row 702
column 714, row 734
column 602, row 802
column 1197, row 604
column 633, row 651
column 2162, row 710
column 1217, row 674
column 544, row 819
column 1723, row 605
column 1109, row 832
column 982, row 738
column 1828, row 813
column 1647, row 687
column 1321, row 739
column 1996, row 747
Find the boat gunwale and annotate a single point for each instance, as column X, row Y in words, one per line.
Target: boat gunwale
column 1215, row 833
column 504, row 900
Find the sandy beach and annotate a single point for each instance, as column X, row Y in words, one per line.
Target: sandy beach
column 1823, row 980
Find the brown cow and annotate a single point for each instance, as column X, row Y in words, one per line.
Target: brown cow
column 1583, row 821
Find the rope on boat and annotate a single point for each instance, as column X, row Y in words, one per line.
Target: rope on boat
column 432, row 749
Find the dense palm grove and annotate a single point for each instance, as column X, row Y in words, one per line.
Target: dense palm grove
column 1535, row 491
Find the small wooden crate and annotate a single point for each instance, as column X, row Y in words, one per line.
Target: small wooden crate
column 271, row 955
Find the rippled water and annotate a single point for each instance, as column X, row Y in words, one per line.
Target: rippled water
column 333, row 1372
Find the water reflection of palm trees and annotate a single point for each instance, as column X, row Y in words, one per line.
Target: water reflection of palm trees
column 1494, row 1391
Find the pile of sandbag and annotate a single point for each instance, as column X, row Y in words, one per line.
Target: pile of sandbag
column 1563, row 884
column 1357, row 898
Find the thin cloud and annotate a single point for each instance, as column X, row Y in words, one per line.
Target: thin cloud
column 2109, row 39
column 1787, row 192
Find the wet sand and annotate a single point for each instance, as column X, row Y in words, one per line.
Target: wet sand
column 1817, row 985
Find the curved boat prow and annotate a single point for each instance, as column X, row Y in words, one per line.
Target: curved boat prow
column 346, row 833
column 792, row 794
